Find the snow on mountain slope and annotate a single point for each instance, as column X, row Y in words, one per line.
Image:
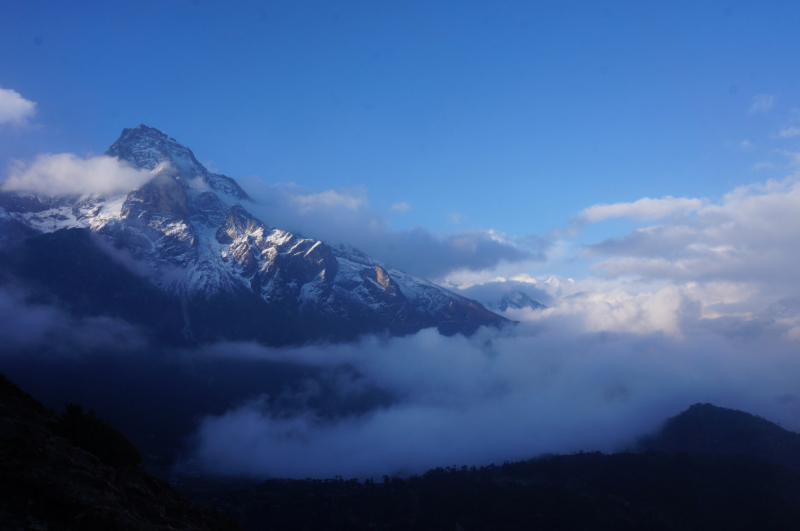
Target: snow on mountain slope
column 188, row 227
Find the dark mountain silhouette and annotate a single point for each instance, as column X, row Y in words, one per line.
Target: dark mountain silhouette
column 708, row 429
column 629, row 491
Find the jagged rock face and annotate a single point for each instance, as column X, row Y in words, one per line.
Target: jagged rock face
column 233, row 276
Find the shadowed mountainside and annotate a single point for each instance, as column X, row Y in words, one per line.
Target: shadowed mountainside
column 74, row 471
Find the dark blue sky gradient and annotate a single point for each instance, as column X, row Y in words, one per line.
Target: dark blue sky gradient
column 515, row 115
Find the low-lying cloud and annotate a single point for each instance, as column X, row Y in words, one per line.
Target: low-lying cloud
column 28, row 326
column 345, row 216
column 68, row 174
column 14, row 109
column 508, row 395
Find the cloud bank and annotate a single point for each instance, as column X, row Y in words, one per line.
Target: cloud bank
column 345, row 216
column 67, row 174
column 498, row 396
column 14, row 109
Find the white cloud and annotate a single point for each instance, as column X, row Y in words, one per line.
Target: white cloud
column 788, row 132
column 401, row 207
column 762, row 103
column 645, row 208
column 352, row 200
column 15, row 109
column 746, row 144
column 751, row 239
column 65, row 173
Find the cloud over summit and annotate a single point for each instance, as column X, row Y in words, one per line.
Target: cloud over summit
column 68, row 174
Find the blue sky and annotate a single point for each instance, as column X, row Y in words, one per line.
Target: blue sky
column 510, row 116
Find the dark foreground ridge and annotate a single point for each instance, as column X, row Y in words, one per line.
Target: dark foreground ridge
column 75, row 472
column 714, row 468
column 628, row 491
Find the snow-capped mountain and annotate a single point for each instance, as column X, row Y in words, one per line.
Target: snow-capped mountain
column 205, row 268
column 515, row 300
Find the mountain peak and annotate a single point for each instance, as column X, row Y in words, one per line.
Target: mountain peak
column 146, row 147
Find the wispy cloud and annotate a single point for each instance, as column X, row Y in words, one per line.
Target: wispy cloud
column 15, row 109
column 762, row 103
column 401, row 207
column 645, row 208
column 788, row 132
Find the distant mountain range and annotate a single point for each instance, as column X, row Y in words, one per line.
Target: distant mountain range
column 516, row 300
column 184, row 258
